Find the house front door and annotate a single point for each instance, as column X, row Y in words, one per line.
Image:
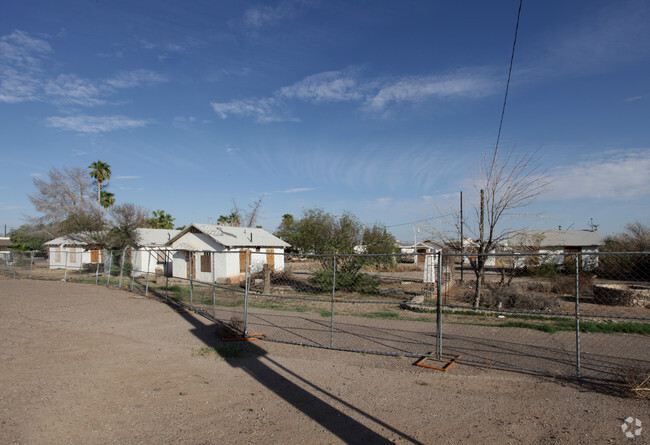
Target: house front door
column 190, row 265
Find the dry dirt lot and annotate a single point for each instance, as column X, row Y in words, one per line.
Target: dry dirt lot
column 89, row 364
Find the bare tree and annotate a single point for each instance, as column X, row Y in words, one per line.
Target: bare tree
column 126, row 218
column 248, row 219
column 64, row 193
column 504, row 186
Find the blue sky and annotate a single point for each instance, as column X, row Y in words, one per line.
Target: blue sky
column 381, row 108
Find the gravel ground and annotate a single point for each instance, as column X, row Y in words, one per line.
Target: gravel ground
column 90, row 364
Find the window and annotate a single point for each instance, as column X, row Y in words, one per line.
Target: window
column 57, row 254
column 73, row 254
column 205, row 263
column 161, row 257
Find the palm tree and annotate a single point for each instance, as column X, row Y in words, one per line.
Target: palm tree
column 161, row 220
column 101, row 171
column 107, row 199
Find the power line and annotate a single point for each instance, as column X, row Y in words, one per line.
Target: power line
column 421, row 220
column 512, row 58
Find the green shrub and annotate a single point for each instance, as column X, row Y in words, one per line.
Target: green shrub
column 128, row 267
column 362, row 283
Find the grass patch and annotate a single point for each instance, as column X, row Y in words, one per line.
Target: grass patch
column 557, row 324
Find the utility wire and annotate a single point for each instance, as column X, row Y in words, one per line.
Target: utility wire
column 512, row 58
column 420, row 220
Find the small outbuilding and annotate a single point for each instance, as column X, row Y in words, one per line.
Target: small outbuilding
column 208, row 252
column 69, row 253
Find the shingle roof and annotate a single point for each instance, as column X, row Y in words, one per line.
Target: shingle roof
column 236, row 236
column 551, row 238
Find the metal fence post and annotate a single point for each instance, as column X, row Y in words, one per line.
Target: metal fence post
column 110, row 265
column 577, row 277
column 332, row 304
column 146, row 289
column 31, row 263
column 214, row 281
column 65, row 267
column 247, row 288
column 439, row 307
column 96, row 270
column 191, row 280
column 122, row 266
column 132, row 271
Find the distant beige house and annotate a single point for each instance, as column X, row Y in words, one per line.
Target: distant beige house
column 558, row 242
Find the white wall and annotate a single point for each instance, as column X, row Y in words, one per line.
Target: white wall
column 224, row 263
column 69, row 257
column 146, row 259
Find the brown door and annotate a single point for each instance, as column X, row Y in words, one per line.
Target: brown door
column 270, row 258
column 243, row 255
column 189, row 264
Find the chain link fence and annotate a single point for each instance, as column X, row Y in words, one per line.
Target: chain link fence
column 566, row 314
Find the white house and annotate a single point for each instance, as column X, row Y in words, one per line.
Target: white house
column 151, row 253
column 68, row 253
column 208, row 252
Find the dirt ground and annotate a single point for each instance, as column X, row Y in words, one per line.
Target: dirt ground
column 89, row 364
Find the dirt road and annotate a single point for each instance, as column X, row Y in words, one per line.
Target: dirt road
column 89, row 364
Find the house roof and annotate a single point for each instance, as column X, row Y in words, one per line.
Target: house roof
column 64, row 241
column 155, row 237
column 147, row 237
column 5, row 242
column 551, row 238
column 232, row 236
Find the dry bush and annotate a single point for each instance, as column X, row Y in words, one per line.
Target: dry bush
column 635, row 382
column 234, row 328
column 515, row 297
column 566, row 285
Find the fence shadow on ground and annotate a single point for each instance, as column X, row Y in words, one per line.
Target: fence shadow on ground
column 282, row 382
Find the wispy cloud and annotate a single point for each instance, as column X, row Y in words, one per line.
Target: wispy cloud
column 620, row 174
column 35, row 175
column 422, row 88
column 297, row 190
column 183, row 121
column 94, row 124
column 127, row 177
column 264, row 110
column 373, row 95
column 633, row 99
column 331, row 86
column 23, row 77
column 263, row 15
column 137, row 78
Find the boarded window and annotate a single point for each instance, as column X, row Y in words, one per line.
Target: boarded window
column 57, row 254
column 73, row 255
column 270, row 258
column 94, row 256
column 161, row 257
column 205, row 263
